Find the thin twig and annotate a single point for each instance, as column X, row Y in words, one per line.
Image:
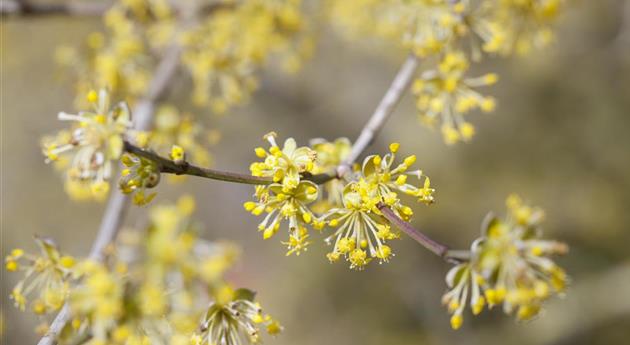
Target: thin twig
column 118, row 202
column 169, row 166
column 382, row 112
column 430, row 244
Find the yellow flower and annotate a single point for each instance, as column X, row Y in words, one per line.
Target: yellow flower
column 362, row 232
column 423, row 27
column 94, row 145
column 389, row 178
column 138, row 175
column 223, row 55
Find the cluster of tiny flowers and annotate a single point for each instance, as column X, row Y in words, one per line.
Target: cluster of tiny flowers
column 234, row 318
column 46, row 277
column 151, row 289
column 223, row 47
column 88, row 151
column 510, row 265
column 224, row 50
column 120, row 59
column 352, row 205
column 288, row 197
column 363, row 231
column 444, row 95
column 450, row 33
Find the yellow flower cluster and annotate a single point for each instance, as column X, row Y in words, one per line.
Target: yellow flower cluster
column 121, row 59
column 352, row 203
column 284, row 164
column 152, row 289
column 451, row 32
column 363, row 231
column 287, row 199
column 444, row 95
column 47, row 276
column 223, row 46
column 518, row 25
column 88, row 151
column 428, row 27
column 224, row 50
column 282, row 204
column 510, row 265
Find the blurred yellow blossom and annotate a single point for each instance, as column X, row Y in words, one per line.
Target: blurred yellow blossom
column 92, row 146
column 510, row 265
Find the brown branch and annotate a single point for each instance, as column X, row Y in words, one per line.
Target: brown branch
column 169, row 166
column 437, row 248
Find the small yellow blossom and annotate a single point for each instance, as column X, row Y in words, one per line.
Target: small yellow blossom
column 236, row 321
column 284, row 165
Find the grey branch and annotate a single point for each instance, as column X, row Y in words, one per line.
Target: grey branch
column 117, row 204
column 30, row 8
column 382, row 112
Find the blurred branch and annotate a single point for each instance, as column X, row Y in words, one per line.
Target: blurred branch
column 77, row 8
column 382, row 112
column 89, row 8
column 118, row 202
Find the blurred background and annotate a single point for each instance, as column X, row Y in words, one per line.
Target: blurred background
column 559, row 138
